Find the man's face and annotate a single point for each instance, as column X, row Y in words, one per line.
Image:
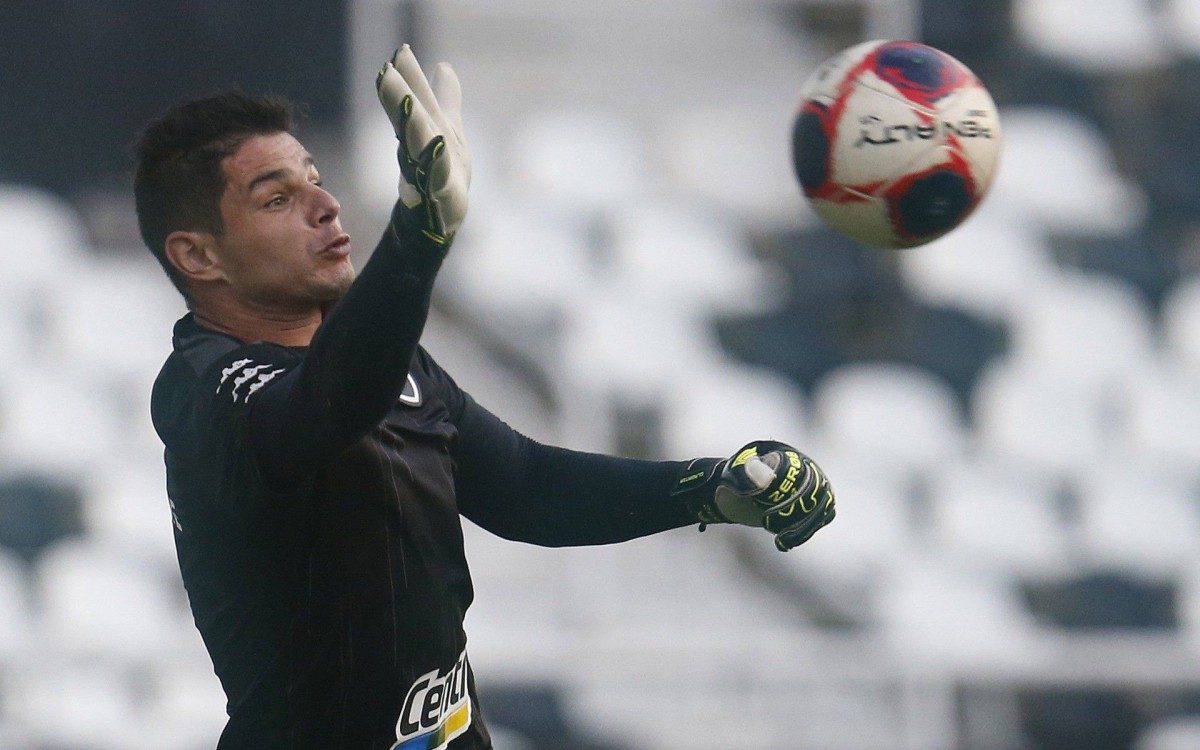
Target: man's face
column 283, row 248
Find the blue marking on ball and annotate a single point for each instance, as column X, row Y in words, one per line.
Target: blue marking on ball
column 810, row 150
column 912, row 66
column 932, row 205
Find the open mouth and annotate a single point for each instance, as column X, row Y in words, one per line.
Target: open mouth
column 339, row 248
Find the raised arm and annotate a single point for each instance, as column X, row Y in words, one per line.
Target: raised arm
column 356, row 366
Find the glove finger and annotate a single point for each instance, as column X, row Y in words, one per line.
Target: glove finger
column 441, row 167
column 448, row 91
column 419, row 130
column 760, row 473
column 434, row 150
column 452, row 204
column 392, row 89
column 794, row 536
column 406, row 63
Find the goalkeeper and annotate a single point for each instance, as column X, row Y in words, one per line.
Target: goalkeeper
column 318, row 458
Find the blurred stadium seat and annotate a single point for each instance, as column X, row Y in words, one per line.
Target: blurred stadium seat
column 1181, row 325
column 873, row 531
column 1058, row 170
column 1174, row 733
column 46, row 233
column 577, row 162
column 97, row 602
column 693, row 259
column 991, row 265
column 995, row 517
column 947, row 616
column 107, row 319
column 729, row 404
column 753, row 178
column 899, row 418
column 16, row 625
column 125, row 507
column 1141, row 522
column 77, row 705
column 55, row 424
column 1181, row 21
column 1118, row 35
column 1092, row 329
column 1163, row 411
column 1028, row 416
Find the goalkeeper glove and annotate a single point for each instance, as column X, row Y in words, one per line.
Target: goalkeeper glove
column 765, row 484
column 435, row 167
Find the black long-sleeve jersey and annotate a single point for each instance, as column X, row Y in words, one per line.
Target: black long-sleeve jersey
column 316, row 495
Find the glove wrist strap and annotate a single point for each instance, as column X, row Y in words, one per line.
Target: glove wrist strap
column 696, row 485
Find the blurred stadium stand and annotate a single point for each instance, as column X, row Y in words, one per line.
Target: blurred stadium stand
column 1011, row 415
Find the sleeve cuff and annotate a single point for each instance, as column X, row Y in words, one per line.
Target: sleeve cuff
column 420, row 253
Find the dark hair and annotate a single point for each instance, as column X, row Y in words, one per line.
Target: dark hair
column 179, row 179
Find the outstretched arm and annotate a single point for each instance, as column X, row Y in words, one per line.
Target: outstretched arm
column 520, row 489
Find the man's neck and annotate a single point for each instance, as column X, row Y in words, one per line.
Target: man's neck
column 284, row 328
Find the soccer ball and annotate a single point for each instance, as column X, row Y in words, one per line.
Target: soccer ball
column 895, row 142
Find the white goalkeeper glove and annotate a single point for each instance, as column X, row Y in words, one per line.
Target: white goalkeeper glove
column 767, row 485
column 435, row 166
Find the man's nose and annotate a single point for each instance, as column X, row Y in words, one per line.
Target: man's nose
column 325, row 206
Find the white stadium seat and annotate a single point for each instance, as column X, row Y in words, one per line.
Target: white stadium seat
column 695, row 259
column 97, row 602
column 125, row 506
column 1172, row 733
column 1182, row 24
column 659, row 586
column 998, row 517
column 187, row 708
column 898, row 417
column 64, row 704
column 51, row 422
column 519, row 263
column 720, row 157
column 579, row 161
column 1057, row 170
column 992, row 265
column 634, row 347
column 1091, row 329
column 1138, row 520
column 1164, row 411
column 1040, row 420
column 940, row 615
column 47, row 236
column 1181, row 324
column 1107, row 35
column 716, row 409
column 111, row 319
column 16, row 626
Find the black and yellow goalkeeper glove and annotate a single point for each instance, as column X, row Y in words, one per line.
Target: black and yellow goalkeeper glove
column 435, row 166
column 766, row 484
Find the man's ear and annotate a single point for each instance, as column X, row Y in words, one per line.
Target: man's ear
column 191, row 253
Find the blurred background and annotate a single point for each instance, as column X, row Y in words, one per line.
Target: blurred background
column 1010, row 416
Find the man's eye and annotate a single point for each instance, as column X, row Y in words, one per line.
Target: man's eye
column 276, row 201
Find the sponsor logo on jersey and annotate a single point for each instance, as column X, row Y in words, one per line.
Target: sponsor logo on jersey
column 225, row 373
column 436, row 709
column 411, row 395
column 245, row 371
column 262, row 380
